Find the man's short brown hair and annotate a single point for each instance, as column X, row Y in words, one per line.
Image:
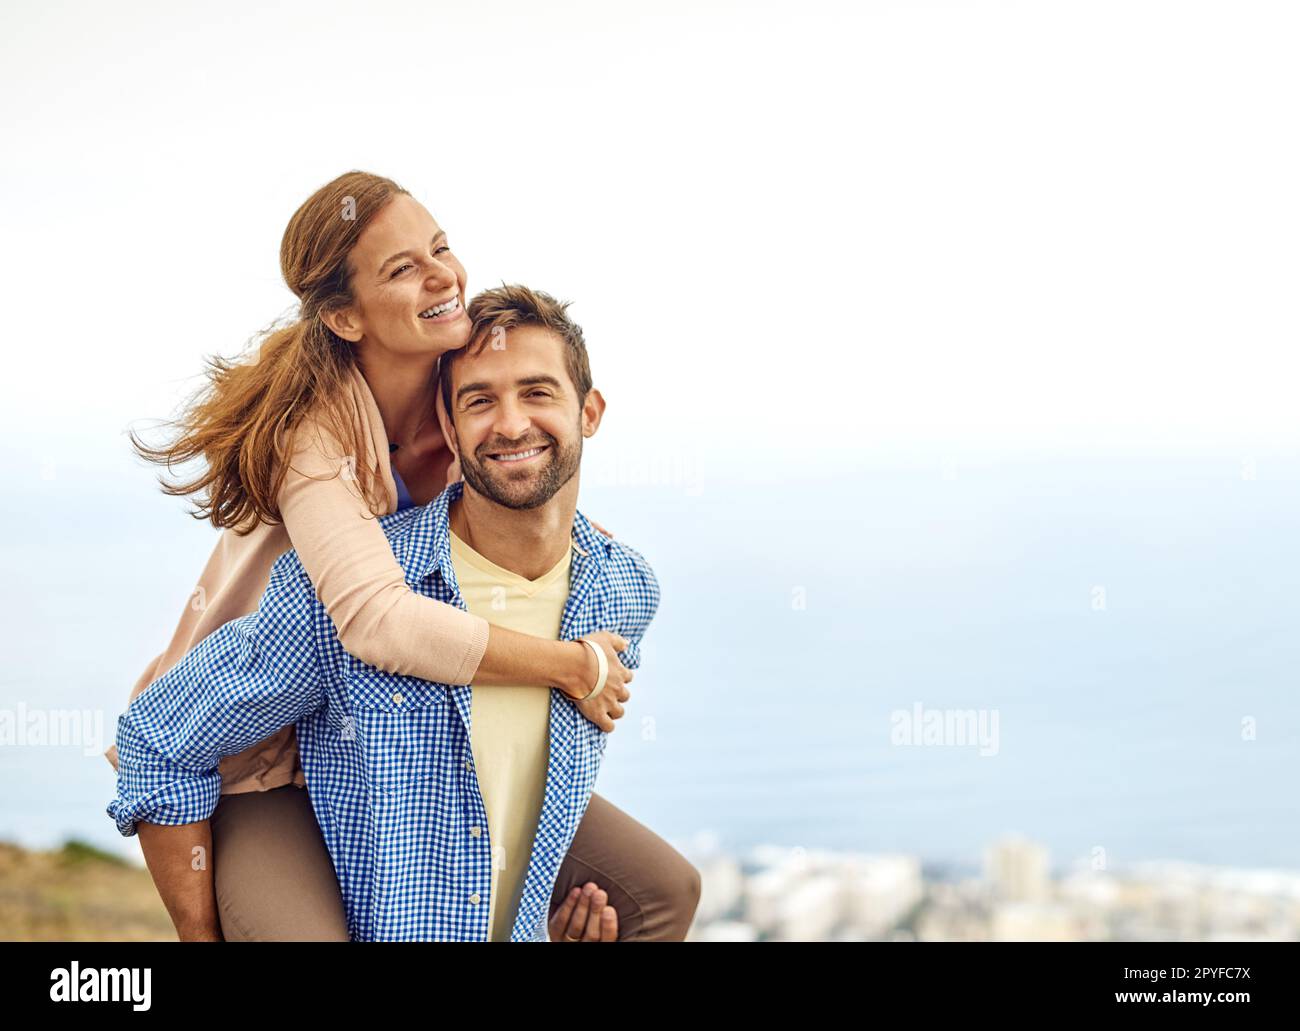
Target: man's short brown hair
column 505, row 307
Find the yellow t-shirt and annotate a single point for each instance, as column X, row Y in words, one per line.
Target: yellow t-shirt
column 510, row 727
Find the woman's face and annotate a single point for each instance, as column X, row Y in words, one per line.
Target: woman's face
column 402, row 267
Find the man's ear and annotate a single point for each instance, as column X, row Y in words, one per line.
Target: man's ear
column 593, row 409
column 344, row 323
column 448, row 430
column 444, row 420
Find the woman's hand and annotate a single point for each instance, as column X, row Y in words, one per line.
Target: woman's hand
column 584, row 916
column 598, row 527
column 606, row 707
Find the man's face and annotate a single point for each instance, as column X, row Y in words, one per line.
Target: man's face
column 517, row 417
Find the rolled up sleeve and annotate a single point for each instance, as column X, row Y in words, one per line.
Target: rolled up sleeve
column 242, row 683
column 156, row 789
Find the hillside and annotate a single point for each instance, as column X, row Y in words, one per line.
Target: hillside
column 77, row 893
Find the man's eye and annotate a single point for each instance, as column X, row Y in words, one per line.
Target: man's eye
column 539, row 393
column 400, row 268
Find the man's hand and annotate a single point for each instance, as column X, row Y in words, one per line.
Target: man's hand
column 584, row 916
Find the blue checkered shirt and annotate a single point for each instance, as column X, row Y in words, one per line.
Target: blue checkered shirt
column 386, row 757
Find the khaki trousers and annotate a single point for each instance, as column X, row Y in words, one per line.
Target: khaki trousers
column 275, row 880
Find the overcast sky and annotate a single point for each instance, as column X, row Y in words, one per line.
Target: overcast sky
column 793, row 232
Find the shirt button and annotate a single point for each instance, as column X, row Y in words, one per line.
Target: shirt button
column 474, row 899
column 469, row 764
column 475, row 832
column 397, row 699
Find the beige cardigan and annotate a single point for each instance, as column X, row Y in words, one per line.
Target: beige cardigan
column 379, row 618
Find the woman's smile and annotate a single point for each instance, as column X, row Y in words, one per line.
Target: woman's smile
column 444, row 311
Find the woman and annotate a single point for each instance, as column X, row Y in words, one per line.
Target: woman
column 329, row 425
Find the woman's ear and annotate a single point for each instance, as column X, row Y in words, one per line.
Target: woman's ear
column 343, row 323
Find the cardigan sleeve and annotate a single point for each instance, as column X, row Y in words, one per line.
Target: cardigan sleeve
column 379, row 619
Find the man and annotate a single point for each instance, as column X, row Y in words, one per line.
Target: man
column 428, row 843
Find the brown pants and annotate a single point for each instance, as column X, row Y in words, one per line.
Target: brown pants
column 275, row 880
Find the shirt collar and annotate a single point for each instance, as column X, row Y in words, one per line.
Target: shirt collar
column 433, row 537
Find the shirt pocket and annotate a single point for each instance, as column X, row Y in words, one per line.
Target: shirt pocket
column 402, row 727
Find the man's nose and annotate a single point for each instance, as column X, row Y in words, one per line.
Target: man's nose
column 512, row 421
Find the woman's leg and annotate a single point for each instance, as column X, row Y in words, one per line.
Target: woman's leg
column 651, row 885
column 274, row 877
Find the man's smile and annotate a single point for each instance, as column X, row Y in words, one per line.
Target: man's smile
column 523, row 455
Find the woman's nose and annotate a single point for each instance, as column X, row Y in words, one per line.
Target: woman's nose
column 442, row 275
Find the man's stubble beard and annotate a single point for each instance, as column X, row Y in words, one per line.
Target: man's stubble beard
column 559, row 470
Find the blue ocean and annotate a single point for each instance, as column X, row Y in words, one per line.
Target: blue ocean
column 1128, row 624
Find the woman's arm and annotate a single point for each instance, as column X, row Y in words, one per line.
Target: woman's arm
column 379, row 618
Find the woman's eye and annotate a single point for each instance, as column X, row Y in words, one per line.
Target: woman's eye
column 402, row 268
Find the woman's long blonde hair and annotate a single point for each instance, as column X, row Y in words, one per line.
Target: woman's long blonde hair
column 242, row 422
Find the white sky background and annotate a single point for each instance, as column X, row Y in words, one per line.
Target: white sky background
column 793, row 232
